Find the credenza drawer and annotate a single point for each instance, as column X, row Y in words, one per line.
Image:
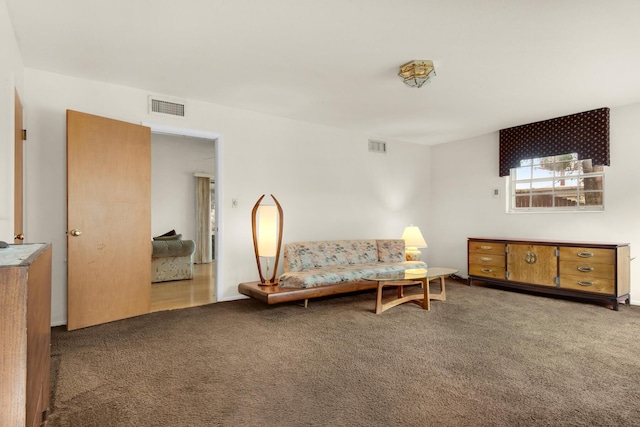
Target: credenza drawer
column 486, row 271
column 487, row 248
column 593, row 284
column 590, row 255
column 487, row 259
column 587, row 269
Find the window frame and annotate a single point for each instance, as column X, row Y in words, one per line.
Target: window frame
column 512, row 183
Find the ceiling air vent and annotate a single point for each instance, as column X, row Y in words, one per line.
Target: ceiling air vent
column 172, row 107
column 377, row 146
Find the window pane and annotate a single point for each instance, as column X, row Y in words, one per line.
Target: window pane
column 592, row 183
column 587, row 166
column 566, row 198
column 566, row 183
column 543, row 171
column 542, row 200
column 593, row 198
column 542, row 185
column 523, row 173
column 522, row 201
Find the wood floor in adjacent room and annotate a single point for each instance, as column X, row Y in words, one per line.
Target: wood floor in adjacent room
column 185, row 293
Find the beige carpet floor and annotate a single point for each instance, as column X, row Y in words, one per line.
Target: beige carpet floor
column 484, row 357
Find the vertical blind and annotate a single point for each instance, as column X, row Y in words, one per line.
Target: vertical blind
column 586, row 134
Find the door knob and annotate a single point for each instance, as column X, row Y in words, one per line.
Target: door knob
column 18, row 237
column 75, row 232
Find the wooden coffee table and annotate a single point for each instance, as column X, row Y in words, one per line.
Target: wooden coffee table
column 411, row 277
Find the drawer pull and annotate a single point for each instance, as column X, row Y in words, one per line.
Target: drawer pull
column 486, row 248
column 487, row 270
column 584, row 283
column 585, row 254
column 585, row 269
column 485, row 258
column 531, row 258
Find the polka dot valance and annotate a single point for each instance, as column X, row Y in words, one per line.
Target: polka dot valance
column 584, row 133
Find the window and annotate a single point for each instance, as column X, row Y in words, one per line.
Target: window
column 556, row 183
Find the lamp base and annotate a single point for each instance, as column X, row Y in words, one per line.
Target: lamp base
column 412, row 254
column 268, row 283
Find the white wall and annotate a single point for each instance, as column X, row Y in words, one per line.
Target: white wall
column 464, row 174
column 174, row 160
column 327, row 182
column 11, row 70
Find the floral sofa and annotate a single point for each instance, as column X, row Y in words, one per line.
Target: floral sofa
column 321, row 268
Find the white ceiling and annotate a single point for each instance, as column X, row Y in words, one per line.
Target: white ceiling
column 499, row 63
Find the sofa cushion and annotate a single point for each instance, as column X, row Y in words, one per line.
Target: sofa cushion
column 391, row 250
column 172, row 248
column 300, row 256
column 321, row 276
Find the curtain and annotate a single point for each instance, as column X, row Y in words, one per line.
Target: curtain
column 203, row 218
column 584, row 133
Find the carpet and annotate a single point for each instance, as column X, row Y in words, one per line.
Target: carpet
column 483, row 357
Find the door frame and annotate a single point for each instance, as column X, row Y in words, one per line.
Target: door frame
column 18, row 170
column 161, row 129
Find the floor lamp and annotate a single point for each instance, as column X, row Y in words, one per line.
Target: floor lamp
column 266, row 226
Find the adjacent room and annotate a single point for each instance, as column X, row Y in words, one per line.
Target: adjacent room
column 183, row 199
column 319, row 213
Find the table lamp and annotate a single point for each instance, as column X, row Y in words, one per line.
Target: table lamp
column 412, row 241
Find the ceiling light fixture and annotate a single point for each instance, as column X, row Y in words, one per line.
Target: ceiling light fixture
column 417, row 72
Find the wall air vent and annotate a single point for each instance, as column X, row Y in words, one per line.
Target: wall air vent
column 169, row 106
column 377, row 146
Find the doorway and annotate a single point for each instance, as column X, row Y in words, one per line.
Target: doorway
column 178, row 160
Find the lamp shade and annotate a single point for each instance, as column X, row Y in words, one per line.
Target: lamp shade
column 413, row 237
column 267, row 231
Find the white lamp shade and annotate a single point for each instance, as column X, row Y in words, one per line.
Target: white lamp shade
column 413, row 237
column 267, row 231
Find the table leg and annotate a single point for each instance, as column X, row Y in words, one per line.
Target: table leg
column 442, row 296
column 424, row 300
column 379, row 298
column 426, row 303
column 443, row 291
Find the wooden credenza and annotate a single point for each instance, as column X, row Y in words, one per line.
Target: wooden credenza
column 25, row 334
column 579, row 269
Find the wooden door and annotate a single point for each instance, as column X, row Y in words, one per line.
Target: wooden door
column 108, row 220
column 18, row 204
column 536, row 264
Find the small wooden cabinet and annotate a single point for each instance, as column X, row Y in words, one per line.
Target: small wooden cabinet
column 25, row 334
column 580, row 269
